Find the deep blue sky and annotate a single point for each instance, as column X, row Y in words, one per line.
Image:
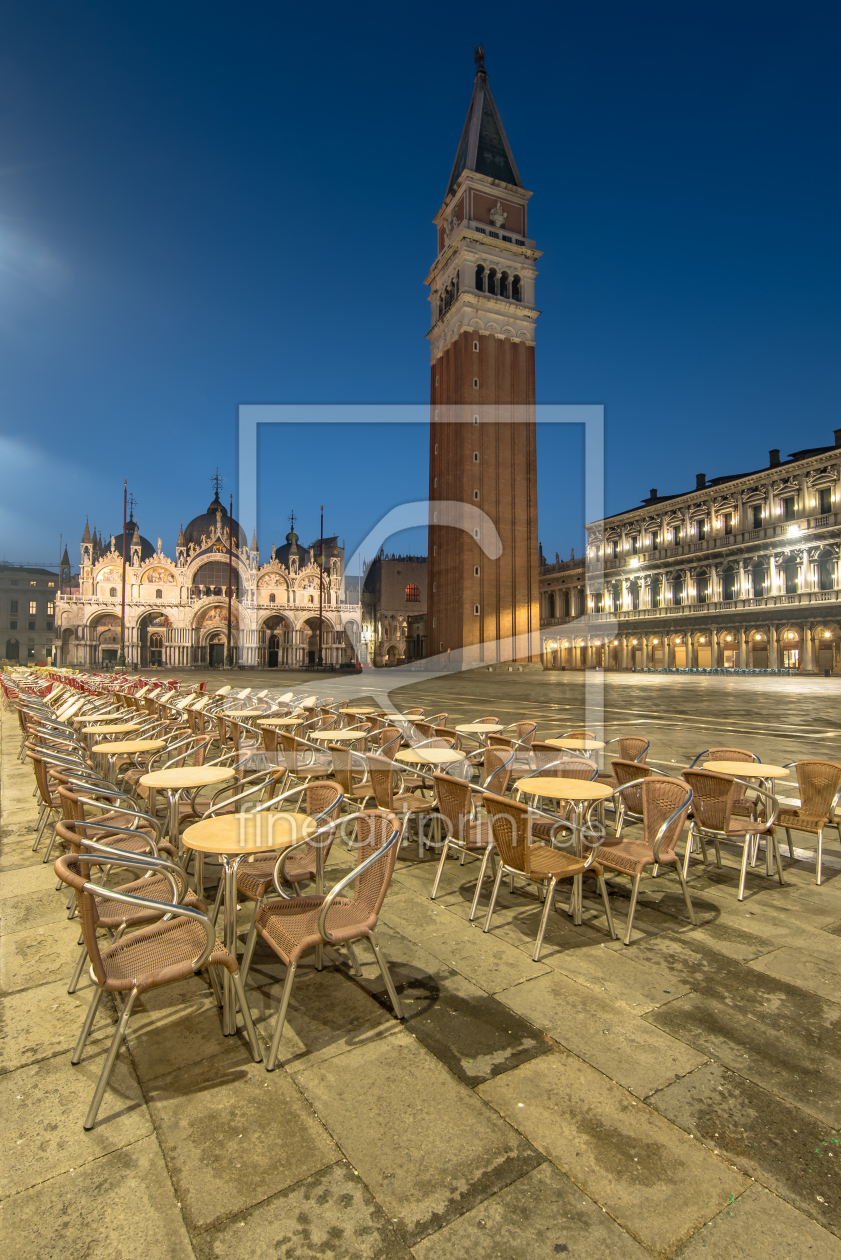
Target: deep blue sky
column 206, row 204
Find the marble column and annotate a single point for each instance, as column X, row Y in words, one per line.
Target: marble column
column 773, row 653
column 808, row 663
column 742, row 653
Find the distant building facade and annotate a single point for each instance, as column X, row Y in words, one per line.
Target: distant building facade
column 27, row 613
column 394, row 598
column 563, row 599
column 742, row 571
column 177, row 609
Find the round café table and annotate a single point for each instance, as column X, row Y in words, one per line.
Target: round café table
column 127, row 747
column 575, row 792
column 109, row 728
column 430, row 756
column 339, row 737
column 178, row 779
column 570, row 744
column 283, row 721
column 479, row 728
column 361, row 712
column 236, row 714
column 237, row 837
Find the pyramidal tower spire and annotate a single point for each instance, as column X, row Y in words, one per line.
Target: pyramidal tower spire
column 481, row 601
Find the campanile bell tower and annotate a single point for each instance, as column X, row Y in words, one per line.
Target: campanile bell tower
column 482, row 595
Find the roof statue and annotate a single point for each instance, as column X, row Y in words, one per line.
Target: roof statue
column 484, row 146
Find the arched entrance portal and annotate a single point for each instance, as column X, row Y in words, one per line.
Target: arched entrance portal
column 277, row 643
column 216, row 649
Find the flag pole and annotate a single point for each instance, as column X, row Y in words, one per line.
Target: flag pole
column 121, row 659
column 229, row 656
column 321, row 596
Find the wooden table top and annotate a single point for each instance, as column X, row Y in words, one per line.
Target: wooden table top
column 105, row 717
column 128, row 746
column 118, row 728
column 748, row 769
column 330, row 736
column 430, row 756
column 187, row 777
column 480, row 728
column 236, row 714
column 576, row 745
column 248, row 833
column 563, row 789
column 283, row 721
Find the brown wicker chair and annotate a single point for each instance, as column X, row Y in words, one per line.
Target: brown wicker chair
column 628, row 803
column 292, row 928
column 168, row 951
column 293, row 750
column 712, row 810
column 463, row 832
column 665, row 805
column 295, row 864
column 383, row 773
column 630, row 748
column 820, row 787
column 511, row 825
column 497, row 764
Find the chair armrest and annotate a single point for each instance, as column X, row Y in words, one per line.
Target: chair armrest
column 104, row 855
column 349, row 879
column 769, row 796
column 73, row 823
column 280, row 864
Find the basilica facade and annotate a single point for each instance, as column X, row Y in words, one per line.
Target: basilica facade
column 177, row 609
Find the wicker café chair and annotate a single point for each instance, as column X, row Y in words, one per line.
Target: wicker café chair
column 742, row 807
column 628, row 775
column 578, row 733
column 162, row 881
column 77, row 798
column 172, row 949
column 350, row 771
column 294, row 864
column 497, row 765
column 820, row 788
column 511, row 827
column 50, row 802
column 665, row 806
column 712, row 810
column 630, row 748
column 292, row 928
column 565, row 768
column 294, row 750
column 463, row 832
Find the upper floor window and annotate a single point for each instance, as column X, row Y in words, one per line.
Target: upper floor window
column 159, row 594
column 825, row 500
column 676, row 536
column 756, row 516
column 480, row 278
column 503, row 284
column 14, row 607
column 413, row 593
column 50, row 608
column 614, row 549
column 492, row 281
column 113, row 592
column 516, row 289
column 272, row 599
column 633, row 544
column 33, row 608
column 728, row 522
column 788, row 508
column 701, row 530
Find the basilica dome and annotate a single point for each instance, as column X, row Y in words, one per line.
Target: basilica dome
column 206, row 525
column 133, row 537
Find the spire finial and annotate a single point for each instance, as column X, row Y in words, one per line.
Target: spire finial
column 132, row 504
column 479, row 58
column 291, row 519
column 217, row 482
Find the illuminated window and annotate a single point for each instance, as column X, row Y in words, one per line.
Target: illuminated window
column 413, row 593
column 33, row 608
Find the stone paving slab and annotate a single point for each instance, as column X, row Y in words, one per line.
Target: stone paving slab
column 330, row 1213
column 759, row 1226
column 603, row 1033
column 117, row 1207
column 44, row 1022
column 620, row 1152
column 424, row 1144
column 782, row 1146
column 233, row 1134
column 542, row 1215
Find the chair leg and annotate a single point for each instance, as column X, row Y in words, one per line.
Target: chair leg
column 271, row 1061
column 607, row 910
column 772, row 840
column 479, row 882
column 819, row 859
column 687, row 854
column 494, row 895
column 354, row 961
column 50, row 847
column 382, row 963
column 717, row 852
column 250, row 942
column 744, row 868
column 686, row 896
column 788, row 840
column 78, row 1049
column 634, row 894
column 440, row 870
column 42, row 822
column 256, row 1052
column 547, row 906
column 78, row 969
column 110, row 1059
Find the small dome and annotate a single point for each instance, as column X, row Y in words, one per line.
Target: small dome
column 147, row 550
column 206, row 524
